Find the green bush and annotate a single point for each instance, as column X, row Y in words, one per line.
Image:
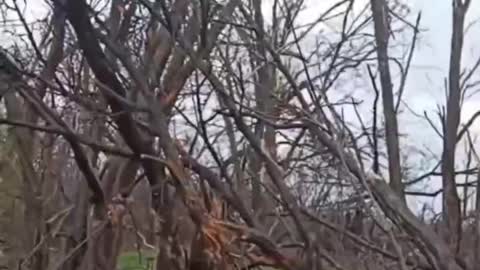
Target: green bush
column 133, row 261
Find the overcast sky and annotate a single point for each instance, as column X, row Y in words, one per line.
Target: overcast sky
column 425, row 87
column 425, row 84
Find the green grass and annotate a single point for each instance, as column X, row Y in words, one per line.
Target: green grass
column 132, row 261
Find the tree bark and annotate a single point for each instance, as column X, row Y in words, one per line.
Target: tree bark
column 451, row 201
column 380, row 13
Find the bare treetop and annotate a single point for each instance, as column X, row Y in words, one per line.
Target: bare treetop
column 231, row 135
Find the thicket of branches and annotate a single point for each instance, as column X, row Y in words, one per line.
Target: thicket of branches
column 228, row 135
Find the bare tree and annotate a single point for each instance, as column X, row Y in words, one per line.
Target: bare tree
column 215, row 135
